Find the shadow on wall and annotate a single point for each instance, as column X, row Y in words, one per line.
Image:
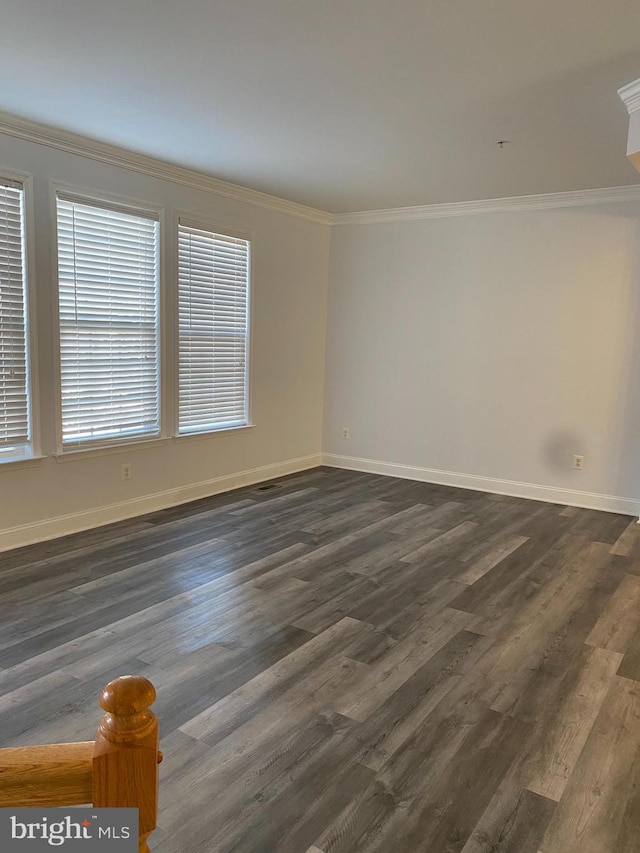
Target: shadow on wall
column 562, row 446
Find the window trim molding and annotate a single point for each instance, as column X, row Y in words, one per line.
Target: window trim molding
column 31, row 313
column 25, row 462
column 202, row 436
column 226, row 228
column 76, row 454
column 126, row 204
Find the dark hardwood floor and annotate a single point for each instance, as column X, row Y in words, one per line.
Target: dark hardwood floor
column 348, row 662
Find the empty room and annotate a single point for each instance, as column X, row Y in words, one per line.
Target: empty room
column 320, row 426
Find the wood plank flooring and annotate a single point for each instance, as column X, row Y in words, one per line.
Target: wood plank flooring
column 348, row 663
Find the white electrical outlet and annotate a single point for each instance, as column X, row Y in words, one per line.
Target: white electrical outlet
column 345, row 432
column 126, row 471
column 578, row 463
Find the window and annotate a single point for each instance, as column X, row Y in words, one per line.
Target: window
column 213, row 301
column 15, row 426
column 108, row 315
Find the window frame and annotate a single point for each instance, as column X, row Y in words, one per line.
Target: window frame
column 33, row 448
column 135, row 206
column 226, row 229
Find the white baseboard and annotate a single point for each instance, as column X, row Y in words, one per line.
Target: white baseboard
column 52, row 528
column 551, row 494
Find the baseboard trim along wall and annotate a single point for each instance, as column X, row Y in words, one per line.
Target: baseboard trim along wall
column 551, row 494
column 63, row 525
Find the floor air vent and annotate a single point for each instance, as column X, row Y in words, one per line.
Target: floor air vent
column 267, row 487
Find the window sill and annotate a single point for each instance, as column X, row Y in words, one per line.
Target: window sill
column 127, row 447
column 200, row 436
column 109, row 449
column 25, row 462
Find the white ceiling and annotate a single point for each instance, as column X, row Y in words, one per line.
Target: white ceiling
column 339, row 104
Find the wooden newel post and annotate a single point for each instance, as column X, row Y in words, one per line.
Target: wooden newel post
column 126, row 757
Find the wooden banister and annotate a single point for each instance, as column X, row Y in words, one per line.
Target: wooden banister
column 55, row 775
column 119, row 769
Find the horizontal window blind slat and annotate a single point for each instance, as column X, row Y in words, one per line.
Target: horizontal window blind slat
column 213, row 278
column 15, row 426
column 108, row 309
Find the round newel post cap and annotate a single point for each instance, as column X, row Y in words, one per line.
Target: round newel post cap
column 127, row 696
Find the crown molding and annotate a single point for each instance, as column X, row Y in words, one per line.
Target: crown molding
column 578, row 198
column 122, row 158
column 83, row 146
column 630, row 96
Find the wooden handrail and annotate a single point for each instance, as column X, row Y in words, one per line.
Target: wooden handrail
column 55, row 775
column 119, row 769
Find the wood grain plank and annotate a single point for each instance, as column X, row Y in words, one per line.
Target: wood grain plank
column 628, row 543
column 480, row 567
column 412, row 703
column 560, row 749
column 381, row 679
column 514, row 822
column 272, row 682
column 620, row 620
column 589, row 817
column 445, row 542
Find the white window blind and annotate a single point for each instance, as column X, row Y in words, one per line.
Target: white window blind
column 14, row 372
column 108, row 313
column 213, row 329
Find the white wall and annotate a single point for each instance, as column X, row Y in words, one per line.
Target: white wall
column 290, row 262
column 494, row 346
